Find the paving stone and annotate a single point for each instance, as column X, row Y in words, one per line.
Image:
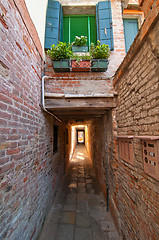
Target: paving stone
column 95, row 225
column 54, row 215
column 82, row 206
column 81, row 196
column 64, row 232
column 71, row 198
column 79, row 211
column 68, row 217
column 81, row 190
column 82, row 220
column 113, row 235
column 83, row 234
column 100, row 236
column 81, row 185
column 89, row 180
column 48, row 232
column 81, row 179
column 69, row 207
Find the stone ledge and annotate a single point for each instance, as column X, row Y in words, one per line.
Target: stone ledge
column 78, row 78
column 59, row 95
column 138, row 137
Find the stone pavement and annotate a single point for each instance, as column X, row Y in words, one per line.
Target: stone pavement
column 79, row 211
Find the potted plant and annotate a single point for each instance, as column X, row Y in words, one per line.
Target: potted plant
column 60, row 55
column 81, row 63
column 100, row 55
column 79, row 45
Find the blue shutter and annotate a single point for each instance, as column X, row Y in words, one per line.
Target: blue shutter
column 52, row 23
column 130, row 31
column 104, row 23
column 61, row 24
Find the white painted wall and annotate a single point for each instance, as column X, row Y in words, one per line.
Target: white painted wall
column 37, row 11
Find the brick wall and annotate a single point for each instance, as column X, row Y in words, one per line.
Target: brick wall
column 29, row 172
column 134, row 193
column 80, row 86
column 99, row 147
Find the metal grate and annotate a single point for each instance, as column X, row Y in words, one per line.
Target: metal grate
column 150, row 150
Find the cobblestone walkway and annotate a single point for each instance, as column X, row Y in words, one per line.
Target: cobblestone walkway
column 79, row 210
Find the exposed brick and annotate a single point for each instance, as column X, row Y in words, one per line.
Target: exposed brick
column 13, row 151
column 3, row 106
column 6, row 167
column 137, row 113
column 25, row 129
column 5, row 99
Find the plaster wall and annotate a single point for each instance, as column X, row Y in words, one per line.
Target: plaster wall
column 37, row 11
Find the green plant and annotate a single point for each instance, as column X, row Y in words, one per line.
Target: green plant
column 60, row 51
column 80, row 41
column 99, row 51
column 79, row 58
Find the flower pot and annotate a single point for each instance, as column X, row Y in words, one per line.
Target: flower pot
column 79, row 48
column 99, row 65
column 81, row 66
column 61, row 65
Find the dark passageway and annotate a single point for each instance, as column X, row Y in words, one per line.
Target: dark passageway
column 79, row 211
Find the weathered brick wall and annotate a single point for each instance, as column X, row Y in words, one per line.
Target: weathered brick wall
column 135, row 194
column 79, row 86
column 29, row 173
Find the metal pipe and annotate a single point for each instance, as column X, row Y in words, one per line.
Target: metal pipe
column 43, row 99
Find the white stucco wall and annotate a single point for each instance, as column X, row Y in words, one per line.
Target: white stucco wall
column 37, row 11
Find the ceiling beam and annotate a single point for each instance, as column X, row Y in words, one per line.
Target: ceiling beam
column 80, row 104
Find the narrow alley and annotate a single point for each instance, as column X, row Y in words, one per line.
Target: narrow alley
column 79, row 211
column 79, row 120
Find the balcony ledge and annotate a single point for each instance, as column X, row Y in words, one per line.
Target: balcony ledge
column 58, row 95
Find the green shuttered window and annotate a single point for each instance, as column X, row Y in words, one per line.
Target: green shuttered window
column 59, row 28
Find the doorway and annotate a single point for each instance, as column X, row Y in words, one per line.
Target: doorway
column 80, row 136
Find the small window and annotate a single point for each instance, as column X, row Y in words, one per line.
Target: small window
column 55, row 142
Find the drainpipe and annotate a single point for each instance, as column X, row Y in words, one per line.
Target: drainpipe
column 43, row 100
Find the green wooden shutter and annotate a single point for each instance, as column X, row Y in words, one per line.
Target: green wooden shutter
column 104, row 23
column 52, row 30
column 66, row 29
column 78, row 25
column 93, row 30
